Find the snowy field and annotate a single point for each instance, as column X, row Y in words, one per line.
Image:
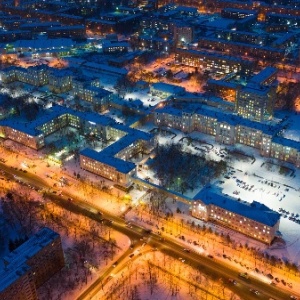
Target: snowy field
column 258, row 181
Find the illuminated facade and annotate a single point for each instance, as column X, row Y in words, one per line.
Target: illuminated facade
column 111, row 162
column 230, row 129
column 60, row 81
column 212, row 61
column 253, row 219
column 37, row 76
column 255, row 102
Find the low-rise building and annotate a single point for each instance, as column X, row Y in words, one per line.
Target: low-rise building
column 37, row 75
column 252, row 219
column 60, row 81
column 111, row 162
column 164, row 90
column 229, row 128
column 213, row 61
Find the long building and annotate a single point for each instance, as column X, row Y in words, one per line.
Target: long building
column 230, row 129
column 112, row 162
column 253, row 219
column 26, row 268
column 213, row 61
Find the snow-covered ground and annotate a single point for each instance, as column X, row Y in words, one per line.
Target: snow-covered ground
column 153, row 275
column 275, row 190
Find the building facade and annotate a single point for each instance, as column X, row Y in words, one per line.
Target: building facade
column 213, row 61
column 30, row 265
column 252, row 219
column 230, row 129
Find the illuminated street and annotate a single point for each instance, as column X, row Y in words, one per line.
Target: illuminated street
column 149, row 150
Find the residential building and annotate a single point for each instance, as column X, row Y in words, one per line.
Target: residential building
column 30, row 265
column 60, row 81
column 164, row 90
column 37, row 75
column 111, row 162
column 256, row 102
column 252, row 219
column 213, row 61
column 183, row 34
column 229, row 128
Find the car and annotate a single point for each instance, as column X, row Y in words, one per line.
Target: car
column 232, row 281
column 115, row 264
column 293, row 297
column 244, row 275
column 131, row 255
column 210, row 256
column 187, row 250
column 254, row 291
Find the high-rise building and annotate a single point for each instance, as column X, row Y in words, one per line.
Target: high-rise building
column 30, row 265
column 256, row 100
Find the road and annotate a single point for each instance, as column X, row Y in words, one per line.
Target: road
column 209, row 266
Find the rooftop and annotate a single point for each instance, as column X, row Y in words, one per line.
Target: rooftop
column 254, row 211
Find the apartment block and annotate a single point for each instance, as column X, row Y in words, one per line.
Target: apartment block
column 213, row 61
column 230, row 129
column 252, row 219
column 30, row 265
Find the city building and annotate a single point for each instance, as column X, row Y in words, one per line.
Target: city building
column 256, row 102
column 164, row 90
column 26, row 268
column 229, row 128
column 252, row 219
column 111, row 162
column 115, row 47
column 213, row 61
column 60, row 80
column 183, row 34
column 37, row 75
column 89, row 90
column 256, row 51
column 256, row 99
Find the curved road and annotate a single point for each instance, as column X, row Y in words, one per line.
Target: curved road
column 212, row 267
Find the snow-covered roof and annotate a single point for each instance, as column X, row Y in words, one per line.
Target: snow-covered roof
column 104, row 68
column 212, row 195
column 55, row 111
column 260, row 77
column 107, row 156
column 286, row 142
column 266, row 48
column 119, row 164
column 44, row 43
column 221, row 116
column 167, row 88
column 214, row 54
column 14, row 264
